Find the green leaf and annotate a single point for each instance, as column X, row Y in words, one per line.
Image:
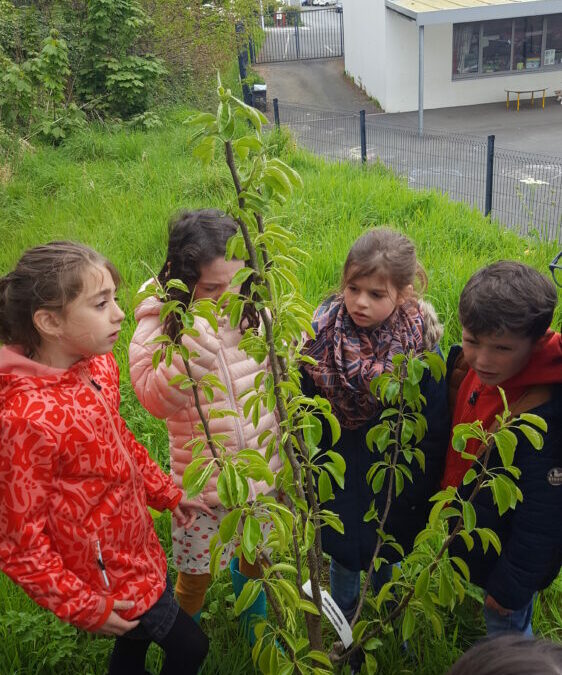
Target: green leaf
column 240, row 277
column 446, row 592
column 469, row 516
column 469, row 476
column 463, row 567
column 248, row 596
column 308, row 606
column 467, row 538
column 422, row 583
column 533, row 436
column 502, row 495
column 336, row 473
column 250, row 538
column 506, row 442
column 229, row 525
column 324, row 487
column 378, row 480
column 536, row 420
column 399, row 478
column 312, row 430
column 371, row 664
column 316, row 655
column 197, row 483
column 408, row 624
column 415, row 370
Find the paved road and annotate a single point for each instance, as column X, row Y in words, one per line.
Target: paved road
column 320, row 83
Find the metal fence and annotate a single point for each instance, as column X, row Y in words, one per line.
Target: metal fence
column 522, row 191
column 293, row 34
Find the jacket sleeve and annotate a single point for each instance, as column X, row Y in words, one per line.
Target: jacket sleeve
column 531, row 556
column 27, row 554
column 161, row 491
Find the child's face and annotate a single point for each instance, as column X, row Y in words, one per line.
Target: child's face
column 215, row 279
column 370, row 300
column 496, row 358
column 90, row 323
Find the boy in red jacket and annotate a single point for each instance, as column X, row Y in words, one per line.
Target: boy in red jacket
column 505, row 310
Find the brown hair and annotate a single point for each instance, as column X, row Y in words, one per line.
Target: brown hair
column 508, row 296
column 510, row 654
column 387, row 252
column 196, row 238
column 49, row 276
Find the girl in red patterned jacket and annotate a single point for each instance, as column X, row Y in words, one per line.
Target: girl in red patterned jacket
column 75, row 532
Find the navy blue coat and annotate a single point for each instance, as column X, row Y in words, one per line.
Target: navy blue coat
column 408, row 514
column 531, row 535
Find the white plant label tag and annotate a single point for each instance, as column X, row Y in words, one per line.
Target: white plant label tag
column 333, row 614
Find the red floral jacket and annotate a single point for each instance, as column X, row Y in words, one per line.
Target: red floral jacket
column 75, row 531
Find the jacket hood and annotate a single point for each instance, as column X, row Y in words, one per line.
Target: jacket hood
column 432, row 327
column 544, row 366
column 19, row 373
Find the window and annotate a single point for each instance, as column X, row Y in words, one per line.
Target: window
column 507, row 45
column 553, row 48
column 496, row 45
column 465, row 48
column 527, row 43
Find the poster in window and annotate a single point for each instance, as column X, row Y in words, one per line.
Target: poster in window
column 549, row 57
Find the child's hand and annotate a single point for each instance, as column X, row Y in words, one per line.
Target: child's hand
column 491, row 603
column 115, row 625
column 186, row 511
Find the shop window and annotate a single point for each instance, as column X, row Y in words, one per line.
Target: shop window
column 496, row 45
column 527, row 43
column 466, row 38
column 553, row 48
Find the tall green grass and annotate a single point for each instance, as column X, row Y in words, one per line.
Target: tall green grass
column 115, row 190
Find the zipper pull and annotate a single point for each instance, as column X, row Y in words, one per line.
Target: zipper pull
column 96, row 385
column 101, row 564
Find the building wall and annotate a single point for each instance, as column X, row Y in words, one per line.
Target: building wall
column 381, row 53
column 364, row 39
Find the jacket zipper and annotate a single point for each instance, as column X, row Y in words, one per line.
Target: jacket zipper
column 237, row 424
column 94, row 386
column 101, row 564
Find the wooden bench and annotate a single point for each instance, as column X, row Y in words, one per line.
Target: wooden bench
column 525, row 91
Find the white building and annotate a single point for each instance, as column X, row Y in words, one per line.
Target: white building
column 416, row 54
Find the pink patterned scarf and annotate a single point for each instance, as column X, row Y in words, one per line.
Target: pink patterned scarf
column 350, row 357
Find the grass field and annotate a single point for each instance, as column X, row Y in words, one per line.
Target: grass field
column 116, row 190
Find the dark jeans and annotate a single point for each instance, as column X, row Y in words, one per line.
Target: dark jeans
column 184, row 643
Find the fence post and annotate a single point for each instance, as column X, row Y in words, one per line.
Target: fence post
column 297, row 45
column 489, row 174
column 242, row 61
column 341, row 32
column 276, row 111
column 363, row 136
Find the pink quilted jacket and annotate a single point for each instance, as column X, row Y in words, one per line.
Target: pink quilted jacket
column 218, row 354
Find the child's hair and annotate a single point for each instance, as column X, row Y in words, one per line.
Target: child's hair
column 386, row 252
column 196, row 238
column 508, row 296
column 49, row 276
column 510, row 654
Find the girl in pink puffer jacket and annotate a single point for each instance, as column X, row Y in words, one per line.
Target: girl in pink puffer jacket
column 196, row 255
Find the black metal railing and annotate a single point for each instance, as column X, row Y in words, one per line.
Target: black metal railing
column 523, row 191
